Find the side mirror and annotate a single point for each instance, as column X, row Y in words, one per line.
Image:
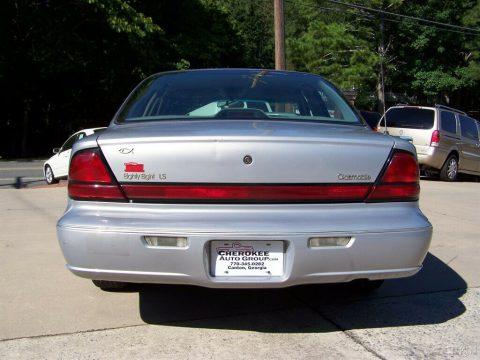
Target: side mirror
column 56, row 150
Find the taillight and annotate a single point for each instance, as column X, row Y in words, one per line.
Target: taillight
column 435, row 138
column 266, row 193
column 89, row 178
column 400, row 181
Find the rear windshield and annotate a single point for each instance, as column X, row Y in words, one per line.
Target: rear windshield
column 413, row 118
column 237, row 94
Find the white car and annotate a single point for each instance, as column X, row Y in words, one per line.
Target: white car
column 56, row 167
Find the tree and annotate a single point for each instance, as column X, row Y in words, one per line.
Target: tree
column 432, row 64
column 334, row 42
column 252, row 22
column 58, row 58
column 70, row 64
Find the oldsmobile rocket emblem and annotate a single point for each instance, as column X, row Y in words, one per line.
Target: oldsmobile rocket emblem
column 125, row 151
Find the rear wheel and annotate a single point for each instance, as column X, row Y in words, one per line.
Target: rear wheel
column 449, row 170
column 109, row 285
column 49, row 177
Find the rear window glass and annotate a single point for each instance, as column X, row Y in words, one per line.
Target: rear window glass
column 237, row 94
column 413, row 118
column 469, row 128
column 69, row 143
column 448, row 122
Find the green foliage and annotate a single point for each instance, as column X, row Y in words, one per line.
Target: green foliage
column 123, row 18
column 334, row 51
column 182, row 64
column 252, row 22
column 70, row 64
column 434, row 64
column 436, row 81
column 67, row 64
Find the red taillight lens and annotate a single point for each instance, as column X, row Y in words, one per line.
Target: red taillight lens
column 89, row 178
column 247, row 193
column 403, row 168
column 434, row 141
column 87, row 166
column 400, row 181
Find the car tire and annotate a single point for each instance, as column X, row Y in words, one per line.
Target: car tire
column 109, row 285
column 49, row 177
column 449, row 170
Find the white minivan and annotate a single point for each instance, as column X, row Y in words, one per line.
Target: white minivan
column 446, row 139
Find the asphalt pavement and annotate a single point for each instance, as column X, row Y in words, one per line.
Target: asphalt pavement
column 46, row 312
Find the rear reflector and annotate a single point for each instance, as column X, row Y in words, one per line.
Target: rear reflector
column 84, row 191
column 400, row 181
column 89, row 178
column 395, row 192
column 247, row 193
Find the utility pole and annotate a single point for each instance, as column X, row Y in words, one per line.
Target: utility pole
column 381, row 84
column 279, row 18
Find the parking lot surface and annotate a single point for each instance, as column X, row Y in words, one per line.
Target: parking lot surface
column 46, row 312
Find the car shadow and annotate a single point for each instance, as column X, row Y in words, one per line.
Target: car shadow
column 430, row 297
column 461, row 178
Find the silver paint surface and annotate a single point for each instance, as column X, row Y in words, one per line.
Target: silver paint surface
column 102, row 240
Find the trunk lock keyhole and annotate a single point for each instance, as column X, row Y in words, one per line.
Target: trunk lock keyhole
column 247, row 159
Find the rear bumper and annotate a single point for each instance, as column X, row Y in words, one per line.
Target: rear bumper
column 431, row 157
column 103, row 241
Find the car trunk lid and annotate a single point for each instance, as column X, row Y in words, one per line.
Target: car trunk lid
column 219, row 151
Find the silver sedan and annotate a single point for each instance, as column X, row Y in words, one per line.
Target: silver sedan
column 241, row 178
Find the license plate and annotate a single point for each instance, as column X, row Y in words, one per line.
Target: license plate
column 246, row 258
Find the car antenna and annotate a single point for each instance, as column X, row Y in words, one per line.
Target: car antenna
column 385, row 131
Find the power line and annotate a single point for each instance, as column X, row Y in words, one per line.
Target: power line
column 366, row 17
column 434, row 27
column 389, row 13
column 334, row 9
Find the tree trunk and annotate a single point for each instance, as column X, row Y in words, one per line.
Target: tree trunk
column 381, row 75
column 24, row 142
column 380, row 96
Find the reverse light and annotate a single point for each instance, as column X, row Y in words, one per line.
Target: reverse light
column 315, row 242
column 400, row 181
column 89, row 178
column 165, row 241
column 435, row 139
